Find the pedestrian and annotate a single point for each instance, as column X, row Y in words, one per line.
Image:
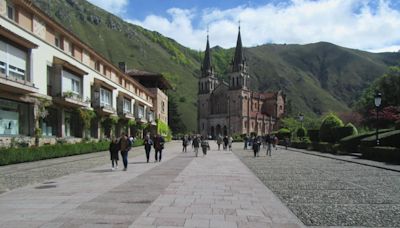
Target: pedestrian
column 158, row 147
column 124, row 148
column 286, row 142
column 196, row 145
column 147, row 146
column 276, row 142
column 204, row 145
column 185, row 142
column 256, row 147
column 268, row 141
column 219, row 141
column 246, row 139
column 114, row 148
column 226, row 141
column 230, row 141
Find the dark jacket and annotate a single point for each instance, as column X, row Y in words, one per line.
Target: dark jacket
column 159, row 143
column 147, row 144
column 114, row 148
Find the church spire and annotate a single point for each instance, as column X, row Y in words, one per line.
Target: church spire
column 238, row 61
column 206, row 69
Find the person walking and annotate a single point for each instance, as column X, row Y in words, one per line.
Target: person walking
column 245, row 139
column 114, row 148
column 196, row 145
column 185, row 142
column 219, row 141
column 204, row 145
column 230, row 141
column 268, row 141
column 226, row 141
column 158, row 147
column 256, row 146
column 276, row 142
column 147, row 146
column 124, row 148
column 286, row 142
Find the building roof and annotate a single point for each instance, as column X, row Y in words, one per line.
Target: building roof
column 145, row 77
column 238, row 60
column 206, row 68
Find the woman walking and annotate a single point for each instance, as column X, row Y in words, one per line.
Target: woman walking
column 147, row 146
column 196, row 145
column 114, row 148
column 204, row 145
column 124, row 148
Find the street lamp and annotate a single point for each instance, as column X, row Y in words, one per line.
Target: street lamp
column 301, row 118
column 377, row 101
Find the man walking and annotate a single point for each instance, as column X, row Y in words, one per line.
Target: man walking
column 124, row 148
column 196, row 145
column 158, row 147
column 268, row 140
column 147, row 146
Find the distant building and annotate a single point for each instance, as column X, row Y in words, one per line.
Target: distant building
column 40, row 59
column 158, row 86
column 227, row 108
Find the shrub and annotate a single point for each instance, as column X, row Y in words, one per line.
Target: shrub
column 313, row 135
column 282, row 133
column 355, row 131
column 390, row 139
column 301, row 132
column 326, row 133
column 350, row 143
column 341, row 132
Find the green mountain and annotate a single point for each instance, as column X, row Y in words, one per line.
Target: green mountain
column 316, row 77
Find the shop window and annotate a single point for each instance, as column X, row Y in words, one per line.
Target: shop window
column 15, row 117
column 49, row 124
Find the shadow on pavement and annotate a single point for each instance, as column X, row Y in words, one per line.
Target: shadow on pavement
column 100, row 171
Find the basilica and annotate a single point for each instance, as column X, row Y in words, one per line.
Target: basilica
column 229, row 108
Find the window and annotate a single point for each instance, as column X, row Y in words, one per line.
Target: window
column 150, row 116
column 162, row 106
column 71, row 49
column 105, row 97
column 13, row 61
column 10, row 12
column 14, row 118
column 57, row 41
column 97, row 66
column 127, row 106
column 71, row 83
column 140, row 111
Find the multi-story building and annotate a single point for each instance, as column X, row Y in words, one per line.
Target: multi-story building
column 42, row 61
column 226, row 108
column 158, row 86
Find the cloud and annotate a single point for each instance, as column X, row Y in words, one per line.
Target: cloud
column 113, row 6
column 361, row 24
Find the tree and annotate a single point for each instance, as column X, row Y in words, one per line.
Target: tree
column 326, row 133
column 174, row 117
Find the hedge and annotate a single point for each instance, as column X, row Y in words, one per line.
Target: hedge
column 313, row 135
column 19, row 155
column 341, row 132
column 350, row 144
column 381, row 153
column 390, row 139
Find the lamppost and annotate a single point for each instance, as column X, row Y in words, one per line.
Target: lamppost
column 301, row 118
column 377, row 101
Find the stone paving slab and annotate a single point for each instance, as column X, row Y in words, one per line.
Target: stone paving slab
column 94, row 195
column 217, row 190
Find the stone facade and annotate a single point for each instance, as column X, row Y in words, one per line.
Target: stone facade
column 227, row 108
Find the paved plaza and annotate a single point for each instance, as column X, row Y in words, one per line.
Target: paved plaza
column 328, row 190
column 217, row 190
column 293, row 188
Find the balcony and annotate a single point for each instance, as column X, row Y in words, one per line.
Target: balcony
column 16, row 85
column 127, row 115
column 71, row 99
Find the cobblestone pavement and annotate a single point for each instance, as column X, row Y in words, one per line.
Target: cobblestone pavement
column 322, row 191
column 19, row 175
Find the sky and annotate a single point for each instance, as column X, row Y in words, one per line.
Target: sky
column 370, row 25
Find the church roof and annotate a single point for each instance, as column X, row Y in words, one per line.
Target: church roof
column 238, row 58
column 207, row 67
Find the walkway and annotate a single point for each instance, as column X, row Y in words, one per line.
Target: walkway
column 181, row 191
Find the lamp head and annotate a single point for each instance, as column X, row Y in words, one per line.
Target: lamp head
column 378, row 99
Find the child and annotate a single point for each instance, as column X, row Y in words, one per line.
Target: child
column 114, row 148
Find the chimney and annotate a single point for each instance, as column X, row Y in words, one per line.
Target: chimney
column 122, row 66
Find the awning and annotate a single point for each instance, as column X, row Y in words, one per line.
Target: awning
column 69, row 66
column 16, row 38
